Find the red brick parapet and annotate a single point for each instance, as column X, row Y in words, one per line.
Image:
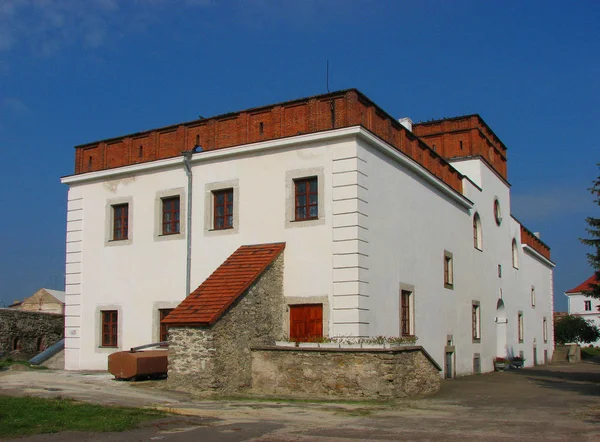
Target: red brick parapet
column 303, row 116
column 527, row 237
column 466, row 136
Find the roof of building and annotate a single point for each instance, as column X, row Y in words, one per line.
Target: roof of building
column 205, row 305
column 60, row 296
column 586, row 285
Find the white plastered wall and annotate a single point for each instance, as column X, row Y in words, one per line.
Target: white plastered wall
column 136, row 276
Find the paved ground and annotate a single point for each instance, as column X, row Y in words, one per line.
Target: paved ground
column 556, row 402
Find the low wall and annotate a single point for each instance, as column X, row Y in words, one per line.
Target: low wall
column 568, row 353
column 24, row 330
column 339, row 372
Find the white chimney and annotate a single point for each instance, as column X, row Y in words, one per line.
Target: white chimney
column 406, row 122
column 536, row 234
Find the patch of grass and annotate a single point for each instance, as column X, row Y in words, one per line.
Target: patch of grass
column 24, row 416
column 8, row 362
column 590, row 352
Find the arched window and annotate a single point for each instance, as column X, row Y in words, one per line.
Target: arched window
column 515, row 254
column 477, row 240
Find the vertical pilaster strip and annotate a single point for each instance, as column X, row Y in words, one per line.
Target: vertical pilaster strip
column 73, row 279
column 350, row 242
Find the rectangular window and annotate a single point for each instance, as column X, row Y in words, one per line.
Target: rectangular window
column 109, row 328
column 448, row 270
column 476, row 321
column 120, row 222
column 545, row 330
column 170, row 215
column 223, row 209
column 520, row 325
column 477, row 363
column 164, row 328
column 306, row 199
column 587, row 305
column 407, row 315
column 533, row 296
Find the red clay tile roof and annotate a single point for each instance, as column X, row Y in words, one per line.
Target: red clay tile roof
column 585, row 285
column 206, row 304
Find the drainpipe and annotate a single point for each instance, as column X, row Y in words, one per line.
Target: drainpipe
column 187, row 156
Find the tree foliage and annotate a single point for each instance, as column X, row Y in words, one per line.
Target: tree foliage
column 572, row 328
column 593, row 230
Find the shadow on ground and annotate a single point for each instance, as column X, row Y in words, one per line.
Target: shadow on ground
column 582, row 378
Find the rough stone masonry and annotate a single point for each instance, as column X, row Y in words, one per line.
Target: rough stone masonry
column 217, row 359
column 22, row 333
column 348, row 373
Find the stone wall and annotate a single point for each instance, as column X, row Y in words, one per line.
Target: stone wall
column 348, row 373
column 217, row 359
column 28, row 327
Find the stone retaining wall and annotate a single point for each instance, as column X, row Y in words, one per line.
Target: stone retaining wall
column 348, row 373
column 217, row 359
column 28, row 328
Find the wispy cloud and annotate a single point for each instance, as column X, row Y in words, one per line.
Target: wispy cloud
column 45, row 27
column 14, row 106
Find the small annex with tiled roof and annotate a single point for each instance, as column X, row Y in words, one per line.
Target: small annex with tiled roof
column 240, row 305
column 205, row 305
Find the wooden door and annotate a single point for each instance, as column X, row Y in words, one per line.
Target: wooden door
column 306, row 322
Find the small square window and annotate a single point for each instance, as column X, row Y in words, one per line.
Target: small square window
column 170, row 215
column 448, row 270
column 109, row 328
column 120, row 222
column 223, row 209
column 306, row 199
column 587, row 306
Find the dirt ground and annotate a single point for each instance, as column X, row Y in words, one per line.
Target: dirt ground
column 553, row 402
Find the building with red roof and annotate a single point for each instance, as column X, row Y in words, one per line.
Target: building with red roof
column 375, row 225
column 581, row 304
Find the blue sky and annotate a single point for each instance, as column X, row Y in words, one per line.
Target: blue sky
column 72, row 72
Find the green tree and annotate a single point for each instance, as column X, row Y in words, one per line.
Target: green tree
column 572, row 328
column 594, row 231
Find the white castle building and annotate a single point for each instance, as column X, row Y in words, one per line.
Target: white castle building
column 389, row 228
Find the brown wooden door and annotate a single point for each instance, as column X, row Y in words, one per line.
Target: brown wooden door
column 306, row 322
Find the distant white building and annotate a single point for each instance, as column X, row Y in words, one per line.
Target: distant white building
column 44, row 300
column 585, row 306
column 390, row 229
